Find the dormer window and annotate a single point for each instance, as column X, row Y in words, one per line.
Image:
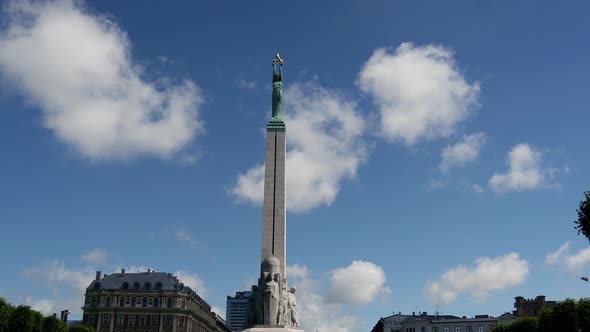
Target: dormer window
column 97, row 285
column 125, row 285
column 136, row 285
column 181, row 286
column 147, row 285
column 158, row 285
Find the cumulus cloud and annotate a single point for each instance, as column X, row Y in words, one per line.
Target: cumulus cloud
column 524, row 171
column 487, row 274
column 316, row 314
column 183, row 236
column 45, row 306
column 574, row 263
column 462, row 152
column 77, row 68
column 96, row 257
column 324, row 146
column 358, row 283
column 420, row 92
column 245, row 84
column 54, row 272
column 219, row 311
column 193, row 281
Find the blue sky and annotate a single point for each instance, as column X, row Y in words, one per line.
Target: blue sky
column 436, row 150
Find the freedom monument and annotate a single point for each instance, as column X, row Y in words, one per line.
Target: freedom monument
column 273, row 306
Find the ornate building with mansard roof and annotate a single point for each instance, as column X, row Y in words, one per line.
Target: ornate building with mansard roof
column 148, row 302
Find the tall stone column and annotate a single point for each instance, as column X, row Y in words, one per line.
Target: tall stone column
column 274, row 215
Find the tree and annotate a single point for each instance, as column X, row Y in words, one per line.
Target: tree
column 564, row 316
column 583, row 221
column 584, row 314
column 5, row 312
column 545, row 321
column 80, row 328
column 525, row 324
column 52, row 324
column 21, row 319
column 502, row 328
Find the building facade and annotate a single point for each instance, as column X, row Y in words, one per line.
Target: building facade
column 423, row 322
column 147, row 302
column 236, row 309
column 531, row 307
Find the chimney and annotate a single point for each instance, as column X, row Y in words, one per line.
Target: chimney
column 149, row 270
column 425, row 313
column 123, row 271
column 97, row 275
column 413, row 313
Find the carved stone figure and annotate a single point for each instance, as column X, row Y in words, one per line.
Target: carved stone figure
column 251, row 307
column 283, row 298
column 271, row 301
column 292, row 307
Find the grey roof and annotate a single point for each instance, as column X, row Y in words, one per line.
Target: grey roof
column 463, row 320
column 116, row 280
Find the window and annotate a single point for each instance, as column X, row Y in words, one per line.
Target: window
column 133, row 300
column 106, row 320
column 142, row 320
column 469, row 328
column 108, row 302
column 128, row 300
column 422, row 329
column 180, row 321
column 144, row 302
column 120, row 319
column 91, row 320
column 446, row 329
column 150, row 301
column 168, row 320
column 158, row 285
column 183, row 303
column 480, row 328
column 147, row 285
column 93, row 301
column 154, row 320
column 156, row 301
column 457, row 328
column 136, row 285
column 435, row 329
column 131, row 320
column 169, row 304
column 181, row 286
column 97, row 285
column 122, row 301
column 125, row 285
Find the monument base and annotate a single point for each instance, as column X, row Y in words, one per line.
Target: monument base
column 272, row 328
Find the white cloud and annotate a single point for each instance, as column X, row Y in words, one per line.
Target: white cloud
column 183, row 236
column 556, row 256
column 420, row 92
column 245, row 84
column 524, row 171
column 324, row 147
column 45, row 306
column 193, row 281
column 573, row 263
column 96, row 257
column 358, row 283
column 55, row 272
column 219, row 311
column 77, row 68
column 315, row 313
column 476, row 188
column 487, row 274
column 462, row 152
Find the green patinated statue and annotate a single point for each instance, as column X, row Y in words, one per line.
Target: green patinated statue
column 277, row 89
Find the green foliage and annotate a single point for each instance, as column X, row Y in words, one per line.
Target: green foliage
column 80, row 328
column 583, row 221
column 502, row 328
column 545, row 321
column 584, row 314
column 526, row 324
column 53, row 324
column 5, row 312
column 565, row 316
column 21, row 319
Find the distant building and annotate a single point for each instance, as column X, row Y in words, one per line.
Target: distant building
column 235, row 309
column 423, row 322
column 147, row 301
column 531, row 307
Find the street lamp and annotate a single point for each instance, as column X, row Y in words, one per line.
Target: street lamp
column 585, row 279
